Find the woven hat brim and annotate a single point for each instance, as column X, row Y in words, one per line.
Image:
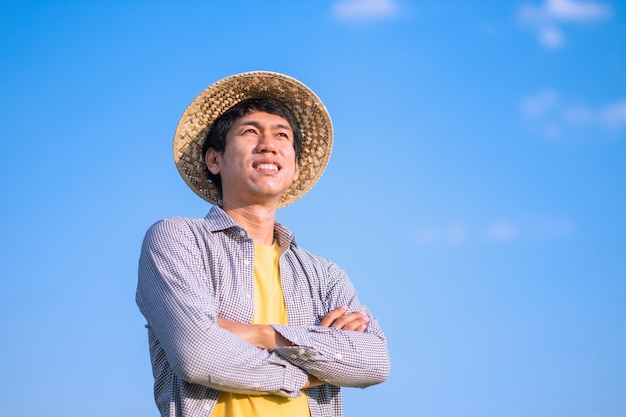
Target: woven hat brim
column 308, row 110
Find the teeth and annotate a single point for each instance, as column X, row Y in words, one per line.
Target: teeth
column 271, row 167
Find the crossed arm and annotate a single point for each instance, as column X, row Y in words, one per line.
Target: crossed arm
column 203, row 348
column 266, row 337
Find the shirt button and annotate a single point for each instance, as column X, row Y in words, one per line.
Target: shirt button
column 242, row 233
column 206, row 406
column 246, row 262
column 338, row 356
column 301, row 351
column 248, row 296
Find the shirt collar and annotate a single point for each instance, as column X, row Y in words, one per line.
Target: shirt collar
column 218, row 220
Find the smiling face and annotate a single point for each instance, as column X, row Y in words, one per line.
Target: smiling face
column 259, row 162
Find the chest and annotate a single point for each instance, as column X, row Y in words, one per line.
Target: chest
column 231, row 287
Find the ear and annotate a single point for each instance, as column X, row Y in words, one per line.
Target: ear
column 297, row 171
column 213, row 159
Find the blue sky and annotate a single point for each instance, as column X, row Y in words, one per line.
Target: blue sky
column 475, row 195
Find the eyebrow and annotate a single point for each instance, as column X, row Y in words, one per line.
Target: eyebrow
column 258, row 125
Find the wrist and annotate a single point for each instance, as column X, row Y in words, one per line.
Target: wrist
column 274, row 339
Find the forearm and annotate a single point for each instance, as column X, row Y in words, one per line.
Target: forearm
column 264, row 337
column 260, row 335
column 213, row 357
column 338, row 357
column 335, row 356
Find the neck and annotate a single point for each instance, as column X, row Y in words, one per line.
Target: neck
column 257, row 220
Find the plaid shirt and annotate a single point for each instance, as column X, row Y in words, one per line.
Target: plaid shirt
column 192, row 271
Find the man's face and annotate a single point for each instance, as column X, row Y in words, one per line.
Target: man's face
column 259, row 162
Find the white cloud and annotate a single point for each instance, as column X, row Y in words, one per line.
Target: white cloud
column 611, row 116
column 502, row 231
column 554, row 116
column 542, row 228
column 425, row 235
column 551, row 37
column 452, row 234
column 540, row 103
column 564, row 11
column 547, row 18
column 497, row 232
column 366, row 9
column 455, row 234
column 551, row 228
column 576, row 10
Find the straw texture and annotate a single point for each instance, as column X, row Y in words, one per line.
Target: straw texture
column 307, row 108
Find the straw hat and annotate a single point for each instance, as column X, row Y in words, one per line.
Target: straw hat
column 308, row 110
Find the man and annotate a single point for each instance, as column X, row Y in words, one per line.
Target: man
column 241, row 320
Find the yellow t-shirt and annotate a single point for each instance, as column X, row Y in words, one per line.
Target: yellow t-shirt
column 269, row 308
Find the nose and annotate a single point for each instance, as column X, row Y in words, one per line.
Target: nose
column 266, row 143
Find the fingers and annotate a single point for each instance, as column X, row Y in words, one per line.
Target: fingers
column 329, row 318
column 355, row 321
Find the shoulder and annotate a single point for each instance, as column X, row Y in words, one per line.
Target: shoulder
column 172, row 225
column 322, row 265
column 177, row 230
column 297, row 253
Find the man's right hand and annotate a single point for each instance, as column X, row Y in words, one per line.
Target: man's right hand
column 337, row 318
